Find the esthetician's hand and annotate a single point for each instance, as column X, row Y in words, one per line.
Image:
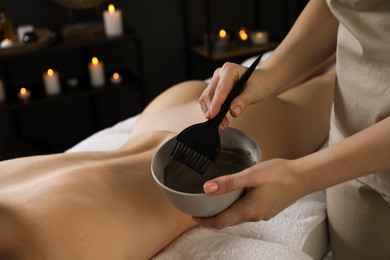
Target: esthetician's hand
column 271, row 186
column 221, row 84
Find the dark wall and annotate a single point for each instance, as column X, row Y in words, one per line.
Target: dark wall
column 157, row 22
column 160, row 26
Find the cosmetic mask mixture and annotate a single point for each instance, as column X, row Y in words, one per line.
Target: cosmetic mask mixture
column 179, row 177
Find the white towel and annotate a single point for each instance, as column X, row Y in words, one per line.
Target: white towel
column 202, row 243
column 279, row 238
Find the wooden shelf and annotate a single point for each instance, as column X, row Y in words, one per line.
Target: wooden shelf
column 50, row 41
column 233, row 51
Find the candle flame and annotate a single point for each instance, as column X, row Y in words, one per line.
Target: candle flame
column 95, row 61
column 23, row 91
column 243, row 34
column 50, row 72
column 222, row 33
column 115, row 75
column 6, row 40
column 111, row 8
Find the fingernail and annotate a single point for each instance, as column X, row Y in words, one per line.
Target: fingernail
column 237, row 111
column 210, row 187
column 207, row 113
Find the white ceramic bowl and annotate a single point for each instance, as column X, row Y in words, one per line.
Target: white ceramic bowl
column 201, row 204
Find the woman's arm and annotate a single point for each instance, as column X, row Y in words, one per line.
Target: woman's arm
column 275, row 184
column 363, row 153
column 310, row 42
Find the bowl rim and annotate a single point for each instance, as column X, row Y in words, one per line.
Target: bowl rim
column 163, row 186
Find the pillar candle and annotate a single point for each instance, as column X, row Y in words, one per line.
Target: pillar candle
column 113, row 25
column 96, row 72
column 51, row 80
column 2, row 91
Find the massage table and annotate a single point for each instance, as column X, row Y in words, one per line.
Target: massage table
column 298, row 232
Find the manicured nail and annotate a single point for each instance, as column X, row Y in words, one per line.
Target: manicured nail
column 207, row 113
column 210, row 187
column 237, row 111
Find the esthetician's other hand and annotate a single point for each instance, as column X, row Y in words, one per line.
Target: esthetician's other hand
column 271, row 186
column 220, row 86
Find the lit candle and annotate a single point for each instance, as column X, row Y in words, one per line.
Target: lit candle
column 51, row 80
column 113, row 25
column 6, row 43
column 116, row 78
column 222, row 34
column 222, row 40
column 2, row 91
column 96, row 73
column 24, row 94
column 259, row 37
column 243, row 35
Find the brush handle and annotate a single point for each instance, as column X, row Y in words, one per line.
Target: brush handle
column 236, row 90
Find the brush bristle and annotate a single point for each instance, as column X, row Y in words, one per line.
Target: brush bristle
column 190, row 157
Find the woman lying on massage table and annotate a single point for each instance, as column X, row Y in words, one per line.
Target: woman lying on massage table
column 106, row 205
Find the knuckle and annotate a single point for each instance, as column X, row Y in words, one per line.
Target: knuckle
column 229, row 183
column 205, row 96
column 227, row 65
column 243, row 100
column 216, row 72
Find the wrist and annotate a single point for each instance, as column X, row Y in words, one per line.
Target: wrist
column 311, row 173
column 265, row 83
column 301, row 177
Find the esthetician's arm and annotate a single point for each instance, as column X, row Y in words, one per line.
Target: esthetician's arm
column 275, row 184
column 310, row 42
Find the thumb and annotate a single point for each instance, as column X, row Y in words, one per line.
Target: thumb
column 240, row 103
column 224, row 184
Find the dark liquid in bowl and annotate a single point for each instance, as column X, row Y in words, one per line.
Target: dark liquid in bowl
column 179, row 177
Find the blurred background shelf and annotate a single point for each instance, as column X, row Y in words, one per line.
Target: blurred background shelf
column 54, row 123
